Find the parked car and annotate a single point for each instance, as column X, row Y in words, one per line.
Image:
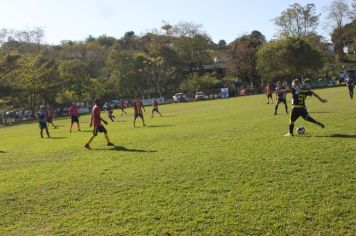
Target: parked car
column 200, row 96
column 179, row 97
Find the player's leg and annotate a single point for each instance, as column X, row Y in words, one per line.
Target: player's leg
column 143, row 120
column 95, row 133
column 106, row 136
column 276, row 107
column 78, row 124
column 71, row 124
column 47, row 132
column 41, row 132
column 293, row 117
column 307, row 117
column 152, row 112
column 134, row 120
column 285, row 105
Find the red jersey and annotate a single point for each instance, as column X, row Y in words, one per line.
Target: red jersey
column 137, row 105
column 96, row 120
column 49, row 113
column 268, row 89
column 155, row 104
column 73, row 111
column 122, row 104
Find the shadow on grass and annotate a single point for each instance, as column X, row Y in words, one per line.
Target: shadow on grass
column 316, row 112
column 167, row 116
column 123, row 149
column 58, row 137
column 338, row 136
column 159, row 126
column 2, row 151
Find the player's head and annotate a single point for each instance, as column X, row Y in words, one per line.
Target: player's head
column 296, row 83
column 42, row 107
column 97, row 101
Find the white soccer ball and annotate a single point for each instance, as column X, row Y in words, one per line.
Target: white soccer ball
column 300, row 130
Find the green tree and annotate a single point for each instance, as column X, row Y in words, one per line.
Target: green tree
column 290, row 57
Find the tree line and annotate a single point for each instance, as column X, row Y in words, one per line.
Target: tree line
column 179, row 57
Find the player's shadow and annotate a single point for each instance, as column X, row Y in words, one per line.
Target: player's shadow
column 159, row 126
column 339, row 136
column 87, row 131
column 58, row 137
column 168, row 116
column 124, row 149
column 2, row 151
column 316, row 112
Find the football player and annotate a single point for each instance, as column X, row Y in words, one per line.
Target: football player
column 281, row 93
column 298, row 105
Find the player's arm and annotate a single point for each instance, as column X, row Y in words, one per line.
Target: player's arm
column 319, row 98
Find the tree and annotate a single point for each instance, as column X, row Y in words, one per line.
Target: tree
column 298, row 21
column 290, row 57
column 337, row 17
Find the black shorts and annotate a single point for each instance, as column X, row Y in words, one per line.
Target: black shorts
column 49, row 119
column 43, row 124
column 279, row 100
column 297, row 112
column 138, row 115
column 269, row 95
column 74, row 119
column 155, row 109
column 100, row 129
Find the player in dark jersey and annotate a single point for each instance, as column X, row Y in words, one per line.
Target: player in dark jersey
column 138, row 106
column 123, row 106
column 281, row 93
column 49, row 116
column 155, row 107
column 298, row 105
column 110, row 112
column 98, row 127
column 41, row 116
column 350, row 84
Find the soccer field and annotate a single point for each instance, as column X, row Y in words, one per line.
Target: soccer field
column 211, row 167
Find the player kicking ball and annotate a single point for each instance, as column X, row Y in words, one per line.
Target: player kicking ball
column 98, row 127
column 298, row 105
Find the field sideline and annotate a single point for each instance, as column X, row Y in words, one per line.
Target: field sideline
column 210, row 167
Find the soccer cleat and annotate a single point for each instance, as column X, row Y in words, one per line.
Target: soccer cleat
column 87, row 146
column 322, row 126
column 110, row 144
column 70, row 131
column 275, row 113
column 288, row 135
column 79, row 130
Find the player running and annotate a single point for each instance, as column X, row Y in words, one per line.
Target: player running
column 110, row 112
column 155, row 107
column 281, row 93
column 298, row 105
column 41, row 116
column 49, row 117
column 74, row 116
column 138, row 106
column 122, row 106
column 268, row 91
column 350, row 84
column 98, row 127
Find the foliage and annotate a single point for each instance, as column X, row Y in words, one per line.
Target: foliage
column 289, row 58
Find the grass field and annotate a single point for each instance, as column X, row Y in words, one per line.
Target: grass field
column 213, row 167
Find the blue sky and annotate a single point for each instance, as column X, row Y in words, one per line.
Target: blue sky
column 76, row 19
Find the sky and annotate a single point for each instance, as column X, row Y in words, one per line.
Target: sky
column 77, row 19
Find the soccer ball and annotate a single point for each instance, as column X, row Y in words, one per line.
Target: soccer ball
column 300, row 130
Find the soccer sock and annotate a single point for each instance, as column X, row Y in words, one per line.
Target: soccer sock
column 71, row 126
column 107, row 138
column 78, row 126
column 276, row 108
column 291, row 128
column 90, row 140
column 312, row 120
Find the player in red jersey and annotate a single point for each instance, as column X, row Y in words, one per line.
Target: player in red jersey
column 74, row 116
column 49, row 117
column 122, row 106
column 138, row 106
column 98, row 127
column 155, row 107
column 268, row 91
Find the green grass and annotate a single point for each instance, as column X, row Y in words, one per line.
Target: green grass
column 213, row 167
